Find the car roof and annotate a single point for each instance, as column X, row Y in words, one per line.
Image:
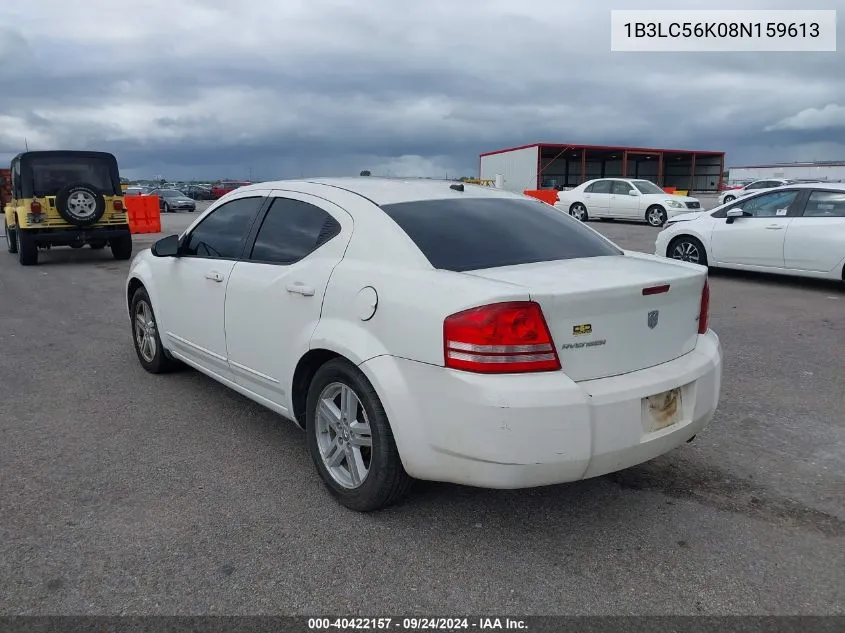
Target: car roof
column 833, row 186
column 383, row 191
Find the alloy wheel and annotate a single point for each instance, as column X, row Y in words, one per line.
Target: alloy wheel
column 344, row 438
column 82, row 205
column 655, row 217
column 686, row 251
column 145, row 331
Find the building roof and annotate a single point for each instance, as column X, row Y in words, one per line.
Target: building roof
column 815, row 163
column 620, row 148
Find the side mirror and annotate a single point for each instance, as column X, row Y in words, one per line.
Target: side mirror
column 733, row 214
column 166, row 247
column 633, row 192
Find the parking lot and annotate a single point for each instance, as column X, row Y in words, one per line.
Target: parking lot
column 128, row 493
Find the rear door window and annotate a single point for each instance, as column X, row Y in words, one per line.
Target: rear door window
column 621, row 188
column 602, row 186
column 478, row 233
column 292, row 230
column 825, row 204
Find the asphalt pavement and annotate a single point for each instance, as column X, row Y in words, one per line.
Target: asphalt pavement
column 127, row 493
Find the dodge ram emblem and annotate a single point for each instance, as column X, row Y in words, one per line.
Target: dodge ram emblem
column 652, row 318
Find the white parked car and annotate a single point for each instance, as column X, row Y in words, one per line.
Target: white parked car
column 752, row 187
column 796, row 230
column 430, row 330
column 623, row 199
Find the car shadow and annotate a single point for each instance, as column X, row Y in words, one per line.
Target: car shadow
column 779, row 281
column 628, row 497
column 63, row 255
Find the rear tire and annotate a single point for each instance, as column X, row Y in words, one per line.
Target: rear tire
column 11, row 238
column 27, row 249
column 121, row 247
column 579, row 212
column 385, row 481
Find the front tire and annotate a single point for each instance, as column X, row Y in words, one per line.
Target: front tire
column 121, row 247
column 11, row 238
column 728, row 199
column 27, row 248
column 166, row 208
column 148, row 347
column 656, row 216
column 687, row 249
column 579, row 212
column 350, row 439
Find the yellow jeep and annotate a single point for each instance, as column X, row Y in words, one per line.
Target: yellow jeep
column 65, row 198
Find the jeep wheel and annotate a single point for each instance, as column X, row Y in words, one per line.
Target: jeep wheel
column 11, row 238
column 27, row 249
column 81, row 204
column 121, row 247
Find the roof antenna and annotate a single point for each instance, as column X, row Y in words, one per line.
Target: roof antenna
column 26, row 144
column 457, row 187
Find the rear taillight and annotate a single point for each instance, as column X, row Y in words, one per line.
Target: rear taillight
column 35, row 207
column 704, row 312
column 500, row 338
column 118, row 205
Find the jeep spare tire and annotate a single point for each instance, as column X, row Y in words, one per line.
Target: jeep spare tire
column 81, row 204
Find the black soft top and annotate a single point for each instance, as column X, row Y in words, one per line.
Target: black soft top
column 103, row 174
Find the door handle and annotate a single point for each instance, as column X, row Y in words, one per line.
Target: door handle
column 300, row 289
column 775, row 227
column 214, row 276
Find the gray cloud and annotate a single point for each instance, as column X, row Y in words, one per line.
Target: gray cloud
column 210, row 88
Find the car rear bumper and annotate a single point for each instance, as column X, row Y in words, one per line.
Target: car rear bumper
column 519, row 431
column 67, row 236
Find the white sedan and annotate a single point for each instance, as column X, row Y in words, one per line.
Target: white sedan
column 795, row 230
column 752, row 187
column 623, row 199
column 432, row 330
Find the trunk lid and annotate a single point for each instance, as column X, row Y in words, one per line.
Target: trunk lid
column 601, row 322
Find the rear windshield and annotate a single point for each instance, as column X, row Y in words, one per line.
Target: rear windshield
column 51, row 174
column 477, row 233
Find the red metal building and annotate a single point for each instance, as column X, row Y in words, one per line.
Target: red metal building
column 558, row 165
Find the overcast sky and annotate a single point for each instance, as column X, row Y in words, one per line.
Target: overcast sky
column 281, row 88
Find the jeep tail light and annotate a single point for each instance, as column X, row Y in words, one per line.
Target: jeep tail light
column 35, row 207
column 500, row 338
column 704, row 312
column 118, row 205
